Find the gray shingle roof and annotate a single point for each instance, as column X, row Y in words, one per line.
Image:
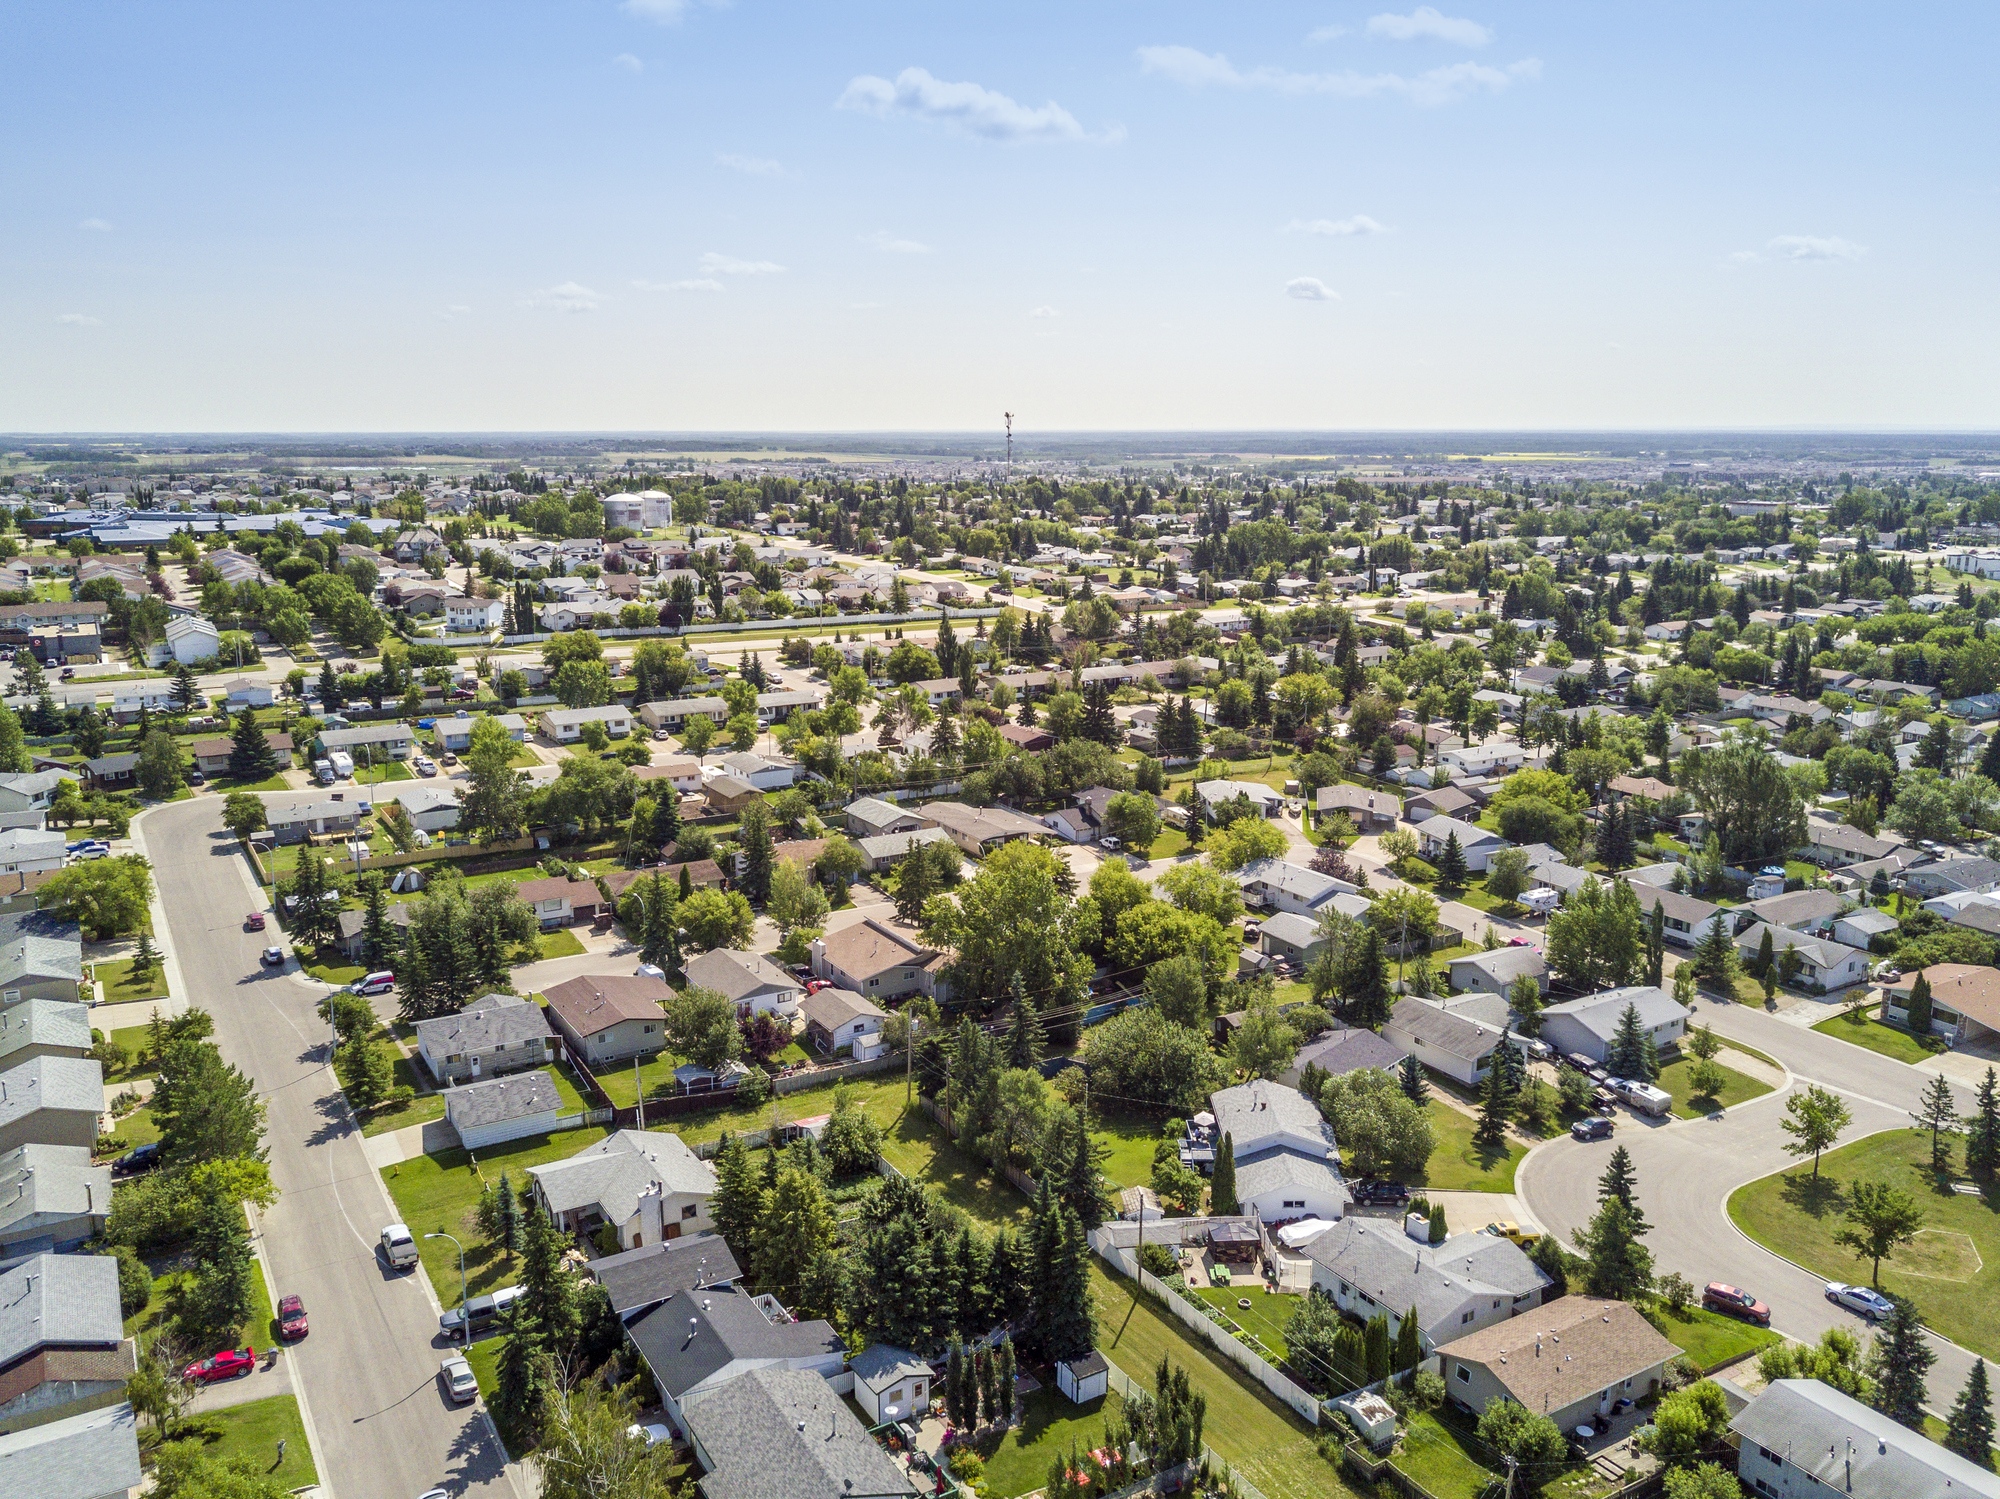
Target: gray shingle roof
column 500, row 1099
column 611, row 1174
column 1814, row 1426
column 40, row 957
column 1434, row 1026
column 644, row 1277
column 1378, row 1258
column 1348, row 1051
column 499, row 1019
column 79, row 1457
column 1600, row 1013
column 43, row 1022
column 1798, row 907
column 1284, row 1168
column 50, row 1181
column 1258, row 1110
column 880, row 1365
column 59, row 1298
column 738, row 975
column 51, row 1083
column 784, row 1434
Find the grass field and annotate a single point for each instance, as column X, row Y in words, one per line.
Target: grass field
column 561, row 943
column 442, row 1192
column 1736, row 1088
column 136, row 1042
column 1131, row 1139
column 1711, row 1339
column 375, row 775
column 918, row 1148
column 259, row 1330
column 1018, row 1462
column 1888, row 1040
column 1265, row 1318
column 1952, row 1270
column 253, row 1430
column 1438, row 1457
column 136, row 1128
column 120, row 986
column 1460, row 1163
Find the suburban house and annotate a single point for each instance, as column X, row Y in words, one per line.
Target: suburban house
column 672, row 713
column 683, row 774
column 463, row 614
column 763, row 773
column 560, row 902
column 1965, row 1001
column 837, row 1018
column 780, row 1429
column 188, row 638
column 353, row 938
column 1444, row 801
column 1274, row 884
column 1835, row 846
column 1213, row 794
column 756, row 984
column 876, row 961
column 25, row 797
column 1471, row 1281
column 52, row 1199
column 244, row 693
column 62, row 1341
column 1589, row 1025
column 1495, row 972
column 1478, row 844
column 1370, row 811
column 432, row 807
column 1823, row 964
column 1799, row 1437
column 93, row 1455
column 1292, row 936
column 50, row 1101
column 295, row 822
column 455, row 733
column 885, row 849
column 1455, row 1044
column 1338, row 1053
column 31, row 850
column 1952, row 876
column 1569, row 1359
column 211, row 756
column 1684, row 920
column 31, row 1028
column 502, row 1109
column 610, row 1017
column 1810, row 911
column 1287, row 1164
column 980, row 830
column 1468, row 761
column 369, row 742
column 728, row 794
column 565, row 725
column 646, row 1183
column 1859, row 928
column 495, row 1033
column 890, row 1383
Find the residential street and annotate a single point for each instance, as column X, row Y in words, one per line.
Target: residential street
column 367, row 1375
column 1688, row 1168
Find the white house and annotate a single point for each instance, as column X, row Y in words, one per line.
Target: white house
column 1800, row 1437
column 189, row 638
column 1590, row 1025
column 1457, row 1045
column 1470, row 1281
column 503, row 1108
column 756, row 984
column 1287, row 1163
column 1823, row 964
column 1274, row 884
column 1471, row 760
column 565, row 725
column 434, row 808
column 765, row 774
column 1478, row 844
column 648, row 1184
column 466, row 615
column 837, row 1018
column 30, row 850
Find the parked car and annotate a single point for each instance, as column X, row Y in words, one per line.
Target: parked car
column 374, row 983
column 292, row 1322
column 481, row 1311
column 83, row 844
column 91, row 851
column 661, row 734
column 1595, row 1128
column 1392, row 1194
column 1508, row 1229
column 196, row 778
column 254, row 922
column 456, row 1375
column 1578, row 1062
column 399, row 1247
column 138, row 1159
column 1731, row 1302
column 274, row 957
column 1863, row 1301
column 230, row 1363
column 426, row 766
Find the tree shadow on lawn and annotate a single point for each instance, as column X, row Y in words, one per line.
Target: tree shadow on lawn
column 1815, row 1196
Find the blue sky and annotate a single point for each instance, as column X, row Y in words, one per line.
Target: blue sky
column 587, row 214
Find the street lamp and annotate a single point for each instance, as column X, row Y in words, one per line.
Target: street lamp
column 464, row 1317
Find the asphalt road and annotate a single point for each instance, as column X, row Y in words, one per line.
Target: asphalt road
column 1688, row 1168
column 367, row 1374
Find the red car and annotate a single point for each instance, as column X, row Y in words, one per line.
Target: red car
column 1729, row 1301
column 254, row 922
column 230, row 1363
column 292, row 1323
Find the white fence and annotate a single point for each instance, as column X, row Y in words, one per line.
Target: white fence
column 1301, row 1400
column 1127, row 1387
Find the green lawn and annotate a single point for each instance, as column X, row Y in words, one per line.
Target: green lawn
column 375, row 775
column 1265, row 1318
column 1461, row 1164
column 120, row 986
column 561, row 943
column 1865, row 1030
column 1736, row 1088
column 136, row 1128
column 1437, row 1457
column 259, row 1330
column 254, row 1430
column 442, row 1191
column 1171, row 843
column 1262, row 1439
column 1131, row 1140
column 136, row 1042
column 1951, row 1271
column 918, row 1148
column 422, row 1109
column 1711, row 1339
column 1018, row 1461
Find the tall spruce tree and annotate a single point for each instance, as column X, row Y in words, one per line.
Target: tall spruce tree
column 1222, row 1201
column 1619, row 1266
column 1629, row 1056
column 1900, row 1364
column 1496, row 1104
column 1982, row 1130
column 1452, row 873
column 1968, row 1431
column 1415, row 1087
column 1621, row 1181
column 1937, row 1112
column 1067, row 1319
column 251, row 757
column 1918, row 1010
column 1027, row 1041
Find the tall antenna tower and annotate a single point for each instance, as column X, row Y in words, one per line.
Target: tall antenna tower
column 1010, row 444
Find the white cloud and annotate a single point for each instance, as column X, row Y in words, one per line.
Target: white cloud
column 570, row 296
column 1310, row 289
column 756, row 166
column 1359, row 225
column 1044, row 311
column 1813, row 247
column 665, row 12
column 1428, row 21
column 1185, row 65
column 628, row 62
column 79, row 320
column 729, row 265
column 1326, row 33
column 96, row 226
column 882, row 239
column 1807, row 247
column 699, row 283
column 455, row 309
column 969, row 107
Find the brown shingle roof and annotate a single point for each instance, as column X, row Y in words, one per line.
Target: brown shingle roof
column 1964, row 987
column 577, row 892
column 1587, row 1344
column 598, row 1001
column 869, row 948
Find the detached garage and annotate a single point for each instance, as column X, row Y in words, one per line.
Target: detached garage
column 503, row 1109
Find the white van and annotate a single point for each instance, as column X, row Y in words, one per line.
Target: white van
column 399, row 1248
